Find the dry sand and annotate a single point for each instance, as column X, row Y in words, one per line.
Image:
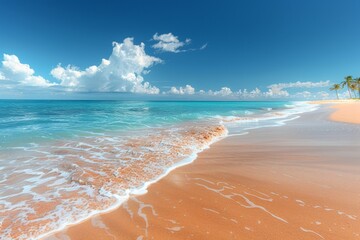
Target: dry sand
column 346, row 112
column 299, row 181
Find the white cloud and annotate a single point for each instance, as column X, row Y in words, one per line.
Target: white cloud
column 276, row 92
column 13, row 73
column 122, row 72
column 304, row 94
column 203, row 46
column 188, row 89
column 169, row 43
column 299, row 84
column 224, row 91
column 312, row 95
column 323, row 94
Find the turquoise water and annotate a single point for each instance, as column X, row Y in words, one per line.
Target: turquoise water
column 80, row 158
column 23, row 122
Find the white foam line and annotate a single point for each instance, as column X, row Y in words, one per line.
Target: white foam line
column 280, row 121
column 348, row 215
column 211, row 210
column 201, row 179
column 264, row 194
column 118, row 203
column 143, row 215
column 97, row 222
column 175, row 229
column 310, row 231
column 127, row 208
column 134, row 191
column 238, row 134
column 301, row 203
column 251, row 204
column 248, row 229
column 261, row 198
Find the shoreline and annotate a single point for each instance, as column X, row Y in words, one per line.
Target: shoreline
column 347, row 110
column 200, row 136
column 73, row 231
column 279, row 118
column 135, row 192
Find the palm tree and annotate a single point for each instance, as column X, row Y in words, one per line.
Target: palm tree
column 348, row 80
column 353, row 86
column 336, row 87
column 357, row 80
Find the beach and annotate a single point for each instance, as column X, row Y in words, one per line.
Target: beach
column 208, row 120
column 297, row 181
column 346, row 113
column 63, row 162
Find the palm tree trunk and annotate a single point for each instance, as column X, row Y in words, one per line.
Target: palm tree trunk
column 349, row 91
column 337, row 95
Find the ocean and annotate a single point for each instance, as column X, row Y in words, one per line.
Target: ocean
column 64, row 161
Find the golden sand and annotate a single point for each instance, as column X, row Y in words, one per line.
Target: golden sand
column 346, row 112
column 299, row 181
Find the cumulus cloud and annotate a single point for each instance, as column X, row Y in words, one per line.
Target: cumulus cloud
column 246, row 94
column 312, row 95
column 299, row 84
column 323, row 94
column 122, row 72
column 13, row 73
column 169, row 42
column 304, row 94
column 188, row 89
column 278, row 88
column 224, row 91
column 274, row 91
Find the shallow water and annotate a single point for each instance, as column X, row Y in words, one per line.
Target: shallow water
column 63, row 161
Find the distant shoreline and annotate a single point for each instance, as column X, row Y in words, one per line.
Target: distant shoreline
column 347, row 110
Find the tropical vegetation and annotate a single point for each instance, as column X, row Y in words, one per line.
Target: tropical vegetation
column 352, row 86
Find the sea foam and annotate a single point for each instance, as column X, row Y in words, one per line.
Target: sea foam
column 47, row 186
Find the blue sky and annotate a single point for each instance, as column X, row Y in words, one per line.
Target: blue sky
column 219, row 47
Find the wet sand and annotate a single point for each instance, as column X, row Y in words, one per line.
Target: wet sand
column 298, row 181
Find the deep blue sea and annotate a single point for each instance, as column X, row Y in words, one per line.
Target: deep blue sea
column 79, row 158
